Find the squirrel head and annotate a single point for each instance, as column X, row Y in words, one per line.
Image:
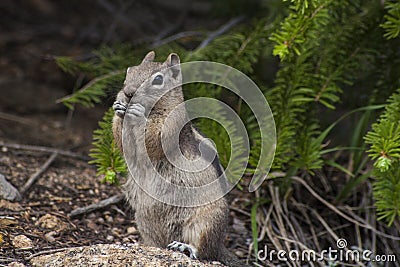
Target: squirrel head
column 152, row 80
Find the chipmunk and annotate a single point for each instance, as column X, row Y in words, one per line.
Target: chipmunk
column 200, row 229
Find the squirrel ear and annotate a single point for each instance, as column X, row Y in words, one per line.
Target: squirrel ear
column 173, row 62
column 149, row 57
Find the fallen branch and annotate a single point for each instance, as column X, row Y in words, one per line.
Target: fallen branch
column 102, row 204
column 5, row 260
column 38, row 173
column 175, row 37
column 224, row 28
column 51, row 251
column 10, row 117
column 179, row 22
column 47, row 150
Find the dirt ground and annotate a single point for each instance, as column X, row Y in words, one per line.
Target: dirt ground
column 32, row 33
column 68, row 184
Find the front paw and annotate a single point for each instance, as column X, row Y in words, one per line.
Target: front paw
column 182, row 247
column 136, row 110
column 119, row 108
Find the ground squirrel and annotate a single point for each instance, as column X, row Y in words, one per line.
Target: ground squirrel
column 199, row 230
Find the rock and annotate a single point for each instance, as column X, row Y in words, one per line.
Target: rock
column 49, row 221
column 109, row 219
column 8, row 191
column 22, row 241
column 131, row 230
column 118, row 255
column 50, row 236
column 15, row 264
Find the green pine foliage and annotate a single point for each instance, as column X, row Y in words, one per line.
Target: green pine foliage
column 105, row 153
column 385, row 151
column 106, row 70
column 392, row 19
column 387, row 193
column 320, row 60
column 384, row 137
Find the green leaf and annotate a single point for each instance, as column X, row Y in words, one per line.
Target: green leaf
column 105, row 153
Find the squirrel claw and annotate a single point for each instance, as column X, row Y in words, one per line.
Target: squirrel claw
column 136, row 110
column 182, row 247
column 119, row 108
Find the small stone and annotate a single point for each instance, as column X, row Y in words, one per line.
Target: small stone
column 4, row 149
column 7, row 190
column 116, row 231
column 48, row 221
column 110, row 238
column 109, row 219
column 176, row 255
column 92, row 225
column 15, row 264
column 131, row 230
column 50, row 236
column 22, row 241
column 240, row 254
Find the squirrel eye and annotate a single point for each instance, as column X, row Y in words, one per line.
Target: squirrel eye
column 158, row 80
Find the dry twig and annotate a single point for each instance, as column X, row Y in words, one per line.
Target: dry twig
column 10, row 117
column 38, row 173
column 224, row 28
column 102, row 204
column 361, row 223
column 51, row 251
column 46, row 149
column 175, row 37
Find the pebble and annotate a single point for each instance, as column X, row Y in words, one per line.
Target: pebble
column 50, row 236
column 131, row 230
column 110, row 238
column 240, row 254
column 109, row 219
column 15, row 264
column 48, row 221
column 22, row 241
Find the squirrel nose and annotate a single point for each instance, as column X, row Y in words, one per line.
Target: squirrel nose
column 129, row 91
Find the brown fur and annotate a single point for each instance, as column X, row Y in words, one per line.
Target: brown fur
column 160, row 224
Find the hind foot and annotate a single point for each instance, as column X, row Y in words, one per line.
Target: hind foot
column 182, row 247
